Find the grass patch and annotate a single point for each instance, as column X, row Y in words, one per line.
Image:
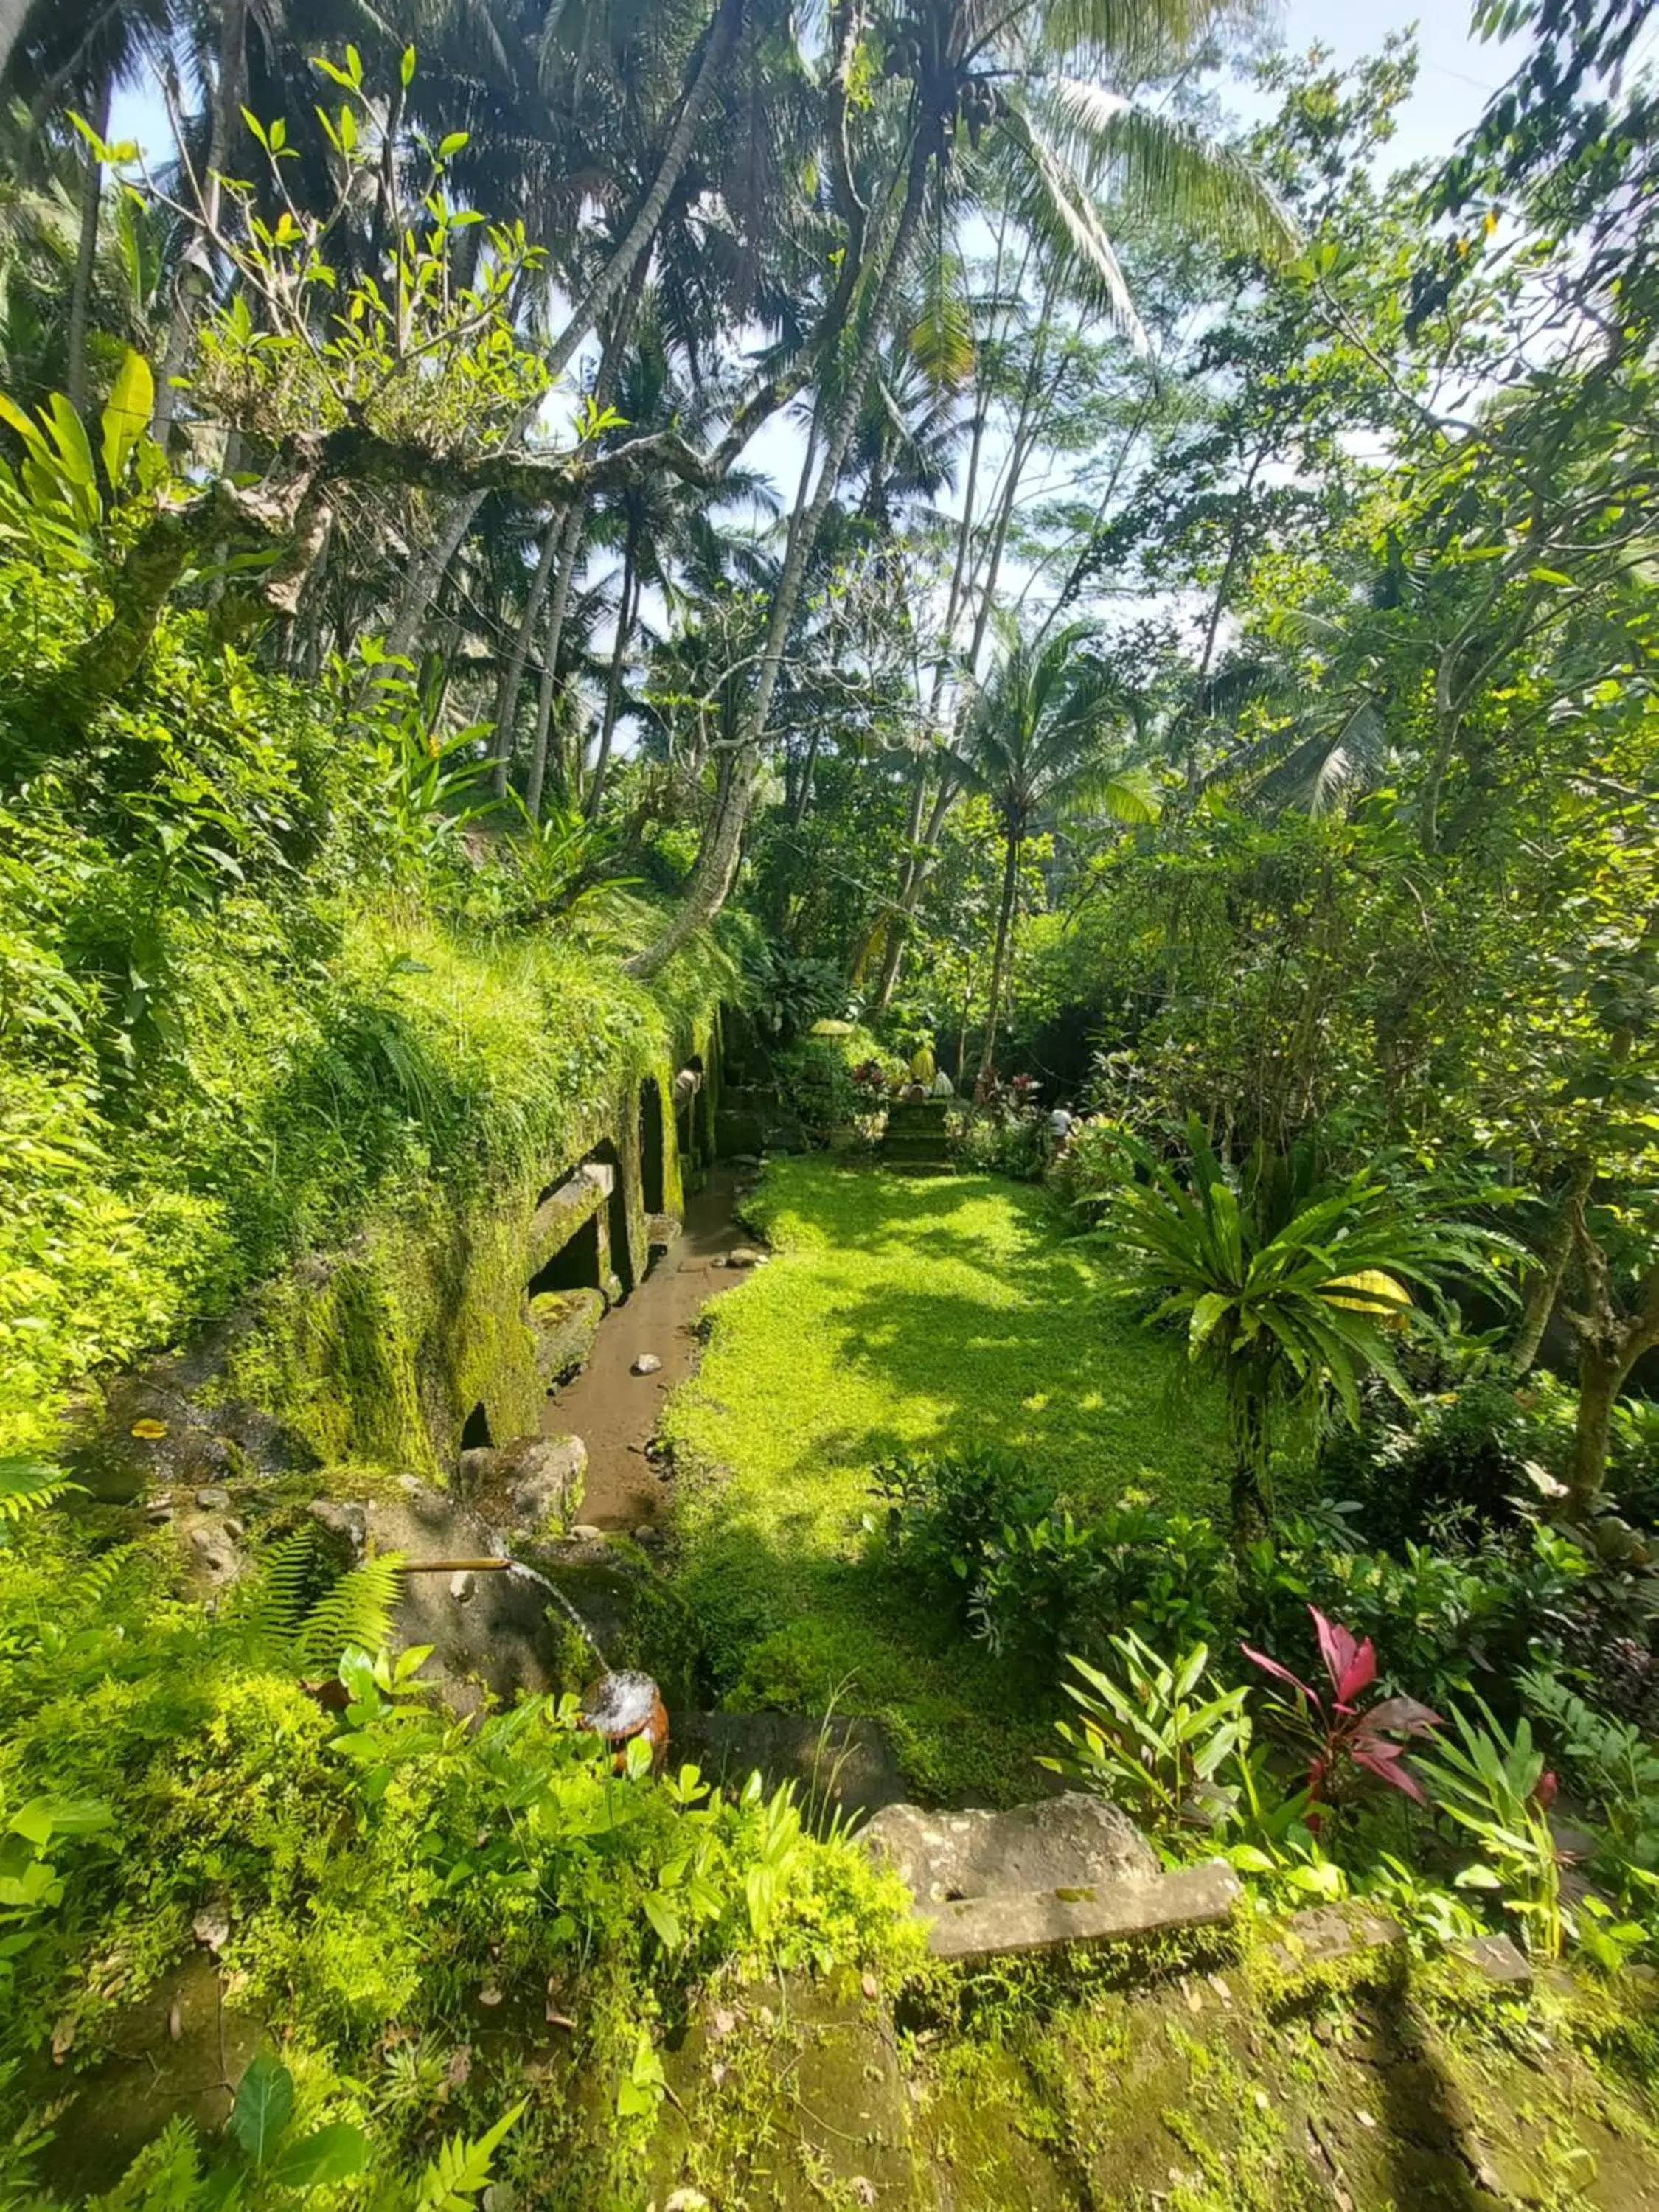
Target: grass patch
column 899, row 1315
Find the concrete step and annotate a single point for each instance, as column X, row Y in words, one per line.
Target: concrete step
column 1066, row 1869
column 1201, row 1896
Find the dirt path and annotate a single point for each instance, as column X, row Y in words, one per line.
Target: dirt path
column 614, row 1411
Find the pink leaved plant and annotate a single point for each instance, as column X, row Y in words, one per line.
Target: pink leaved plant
column 1342, row 1733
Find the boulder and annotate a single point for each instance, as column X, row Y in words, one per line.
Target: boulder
column 546, row 1478
column 564, row 1324
column 1059, row 1843
column 214, row 1554
column 646, row 1363
column 488, row 1632
column 745, row 1256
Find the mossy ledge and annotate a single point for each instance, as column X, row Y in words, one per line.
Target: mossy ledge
column 416, row 1333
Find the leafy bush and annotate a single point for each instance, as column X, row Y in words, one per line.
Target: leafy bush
column 1463, row 1464
column 1156, row 1736
column 817, row 1078
column 1443, row 1621
column 993, row 1539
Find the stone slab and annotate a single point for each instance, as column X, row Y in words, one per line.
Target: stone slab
column 1044, row 1920
column 562, row 1213
column 1497, row 1960
column 1057, row 1843
column 1325, row 1933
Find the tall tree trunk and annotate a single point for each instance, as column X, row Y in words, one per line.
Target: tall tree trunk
column 85, row 259
column 626, row 609
column 1610, row 1342
column 717, row 862
column 1545, row 1288
column 195, row 280
column 1000, row 958
column 512, row 676
column 428, row 572
column 569, row 547
column 915, row 882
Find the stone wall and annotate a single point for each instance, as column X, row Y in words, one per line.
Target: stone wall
column 439, row 1327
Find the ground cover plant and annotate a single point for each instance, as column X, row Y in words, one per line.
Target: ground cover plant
column 567, row 570
column 952, row 1317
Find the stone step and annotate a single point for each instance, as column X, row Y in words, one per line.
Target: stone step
column 1201, row 1896
column 922, row 1147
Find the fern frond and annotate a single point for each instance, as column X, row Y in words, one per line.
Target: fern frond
column 263, row 1613
column 461, row 2169
column 30, row 1485
column 357, row 1610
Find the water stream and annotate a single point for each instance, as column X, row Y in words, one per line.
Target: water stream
column 616, row 1412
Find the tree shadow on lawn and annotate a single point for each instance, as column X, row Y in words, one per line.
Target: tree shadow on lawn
column 1101, row 1405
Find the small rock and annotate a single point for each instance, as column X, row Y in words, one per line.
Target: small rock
column 211, row 1926
column 234, row 1528
column 490, row 1994
column 159, row 1515
column 462, row 1585
column 719, row 1260
column 646, row 1363
column 457, row 2070
column 213, row 1499
column 870, row 1987
column 649, row 1534
column 175, row 2021
column 586, row 1533
column 721, row 2021
column 215, row 1553
column 1365, row 2118
column 411, row 1483
column 349, row 1523
column 745, row 1256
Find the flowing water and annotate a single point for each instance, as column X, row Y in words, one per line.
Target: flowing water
column 529, row 1575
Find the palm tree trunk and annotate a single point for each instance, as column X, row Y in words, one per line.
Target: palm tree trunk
column 1000, row 958
column 85, row 259
column 428, row 572
column 569, row 547
column 626, row 609
column 195, row 277
column 512, row 678
column 717, row 863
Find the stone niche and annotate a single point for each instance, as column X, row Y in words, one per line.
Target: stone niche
column 440, row 1327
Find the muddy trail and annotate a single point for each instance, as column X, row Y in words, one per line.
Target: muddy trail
column 616, row 1412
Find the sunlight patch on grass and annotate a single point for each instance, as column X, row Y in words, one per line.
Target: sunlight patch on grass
column 897, row 1315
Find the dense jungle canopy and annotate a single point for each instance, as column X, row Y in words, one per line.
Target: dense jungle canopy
column 895, row 554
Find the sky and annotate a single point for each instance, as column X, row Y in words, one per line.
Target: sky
column 1456, row 76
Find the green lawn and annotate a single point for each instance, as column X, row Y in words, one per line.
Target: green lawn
column 896, row 1312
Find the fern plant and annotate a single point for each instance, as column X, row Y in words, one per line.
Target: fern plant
column 279, row 1617
column 462, row 2168
column 28, row 1485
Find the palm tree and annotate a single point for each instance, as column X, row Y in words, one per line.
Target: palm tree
column 1034, row 746
column 1291, row 1285
column 979, row 100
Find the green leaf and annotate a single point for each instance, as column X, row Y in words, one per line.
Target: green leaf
column 263, row 2107
column 406, row 67
column 454, row 143
column 126, row 418
column 327, row 2154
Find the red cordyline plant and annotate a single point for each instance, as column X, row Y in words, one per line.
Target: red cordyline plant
column 1343, row 1733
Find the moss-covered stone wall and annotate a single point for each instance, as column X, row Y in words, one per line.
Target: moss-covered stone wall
column 382, row 1353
